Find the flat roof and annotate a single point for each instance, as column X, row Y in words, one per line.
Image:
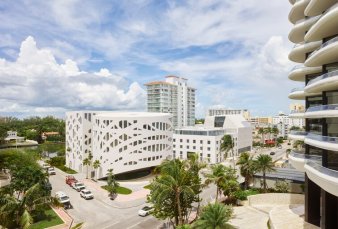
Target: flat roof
column 284, row 173
column 132, row 114
column 158, row 82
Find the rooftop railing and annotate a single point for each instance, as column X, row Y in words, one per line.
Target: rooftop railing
column 322, row 138
column 324, row 76
column 323, row 108
column 322, row 169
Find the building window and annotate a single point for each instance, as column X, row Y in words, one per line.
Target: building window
column 187, row 140
column 193, row 141
column 208, row 148
column 209, row 142
column 201, row 141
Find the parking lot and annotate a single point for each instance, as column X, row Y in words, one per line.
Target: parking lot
column 97, row 212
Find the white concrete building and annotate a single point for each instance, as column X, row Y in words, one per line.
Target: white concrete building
column 122, row 141
column 205, row 140
column 172, row 96
column 226, row 111
column 284, row 123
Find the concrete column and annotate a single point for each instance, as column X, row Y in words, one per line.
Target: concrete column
column 312, row 202
column 329, row 211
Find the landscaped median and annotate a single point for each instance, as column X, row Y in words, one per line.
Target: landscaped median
column 120, row 190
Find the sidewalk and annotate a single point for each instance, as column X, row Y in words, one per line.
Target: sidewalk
column 66, row 218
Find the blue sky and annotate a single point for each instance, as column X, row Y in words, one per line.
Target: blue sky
column 70, row 54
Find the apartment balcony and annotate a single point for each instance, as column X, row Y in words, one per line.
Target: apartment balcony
column 324, row 177
column 297, row 10
column 298, row 159
column 296, row 114
column 326, row 26
column 299, row 71
column 325, row 82
column 323, row 142
column 322, row 111
column 298, row 53
column 316, row 7
column 297, row 33
column 297, row 135
column 300, row 94
column 327, row 53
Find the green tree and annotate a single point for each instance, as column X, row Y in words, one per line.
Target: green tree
column 112, row 184
column 214, row 216
column 262, row 133
column 96, row 165
column 174, row 190
column 264, row 164
column 227, row 145
column 298, row 144
column 247, row 167
column 87, row 163
column 219, row 175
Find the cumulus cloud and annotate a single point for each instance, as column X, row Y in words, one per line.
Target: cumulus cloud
column 36, row 81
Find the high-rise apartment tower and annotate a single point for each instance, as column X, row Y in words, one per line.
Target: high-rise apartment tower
column 315, row 34
column 172, row 96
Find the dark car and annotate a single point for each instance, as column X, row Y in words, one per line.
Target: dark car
column 272, row 153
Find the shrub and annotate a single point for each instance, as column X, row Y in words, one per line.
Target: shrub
column 120, row 190
column 243, row 194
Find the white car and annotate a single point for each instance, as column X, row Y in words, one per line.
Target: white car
column 78, row 186
column 45, row 165
column 86, row 194
column 51, row 171
column 62, row 197
column 144, row 211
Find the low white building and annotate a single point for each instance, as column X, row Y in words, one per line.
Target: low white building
column 205, row 140
column 284, row 123
column 122, row 141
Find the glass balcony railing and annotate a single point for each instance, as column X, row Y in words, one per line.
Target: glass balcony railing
column 321, row 138
column 297, row 132
column 324, row 76
column 297, row 89
column 322, row 169
column 323, row 108
column 297, row 67
column 302, row 155
column 333, row 40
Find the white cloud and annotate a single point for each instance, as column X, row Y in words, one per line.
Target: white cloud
column 36, row 82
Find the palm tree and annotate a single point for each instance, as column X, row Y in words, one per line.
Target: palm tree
column 87, row 163
column 217, row 176
column 227, row 145
column 96, row 165
column 173, row 185
column 264, row 164
column 262, row 132
column 18, row 211
column 247, row 167
column 112, row 184
column 214, row 216
column 275, row 132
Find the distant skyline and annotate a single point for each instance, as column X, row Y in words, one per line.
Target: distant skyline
column 65, row 55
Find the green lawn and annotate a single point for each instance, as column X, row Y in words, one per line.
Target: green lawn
column 66, row 169
column 147, row 186
column 50, row 219
column 120, row 190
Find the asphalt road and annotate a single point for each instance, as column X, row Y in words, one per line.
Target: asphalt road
column 96, row 213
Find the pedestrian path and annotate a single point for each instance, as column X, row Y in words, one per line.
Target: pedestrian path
column 246, row 217
column 67, row 219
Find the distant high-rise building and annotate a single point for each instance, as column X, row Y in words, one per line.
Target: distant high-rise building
column 315, row 33
column 225, row 111
column 172, row 96
column 297, row 107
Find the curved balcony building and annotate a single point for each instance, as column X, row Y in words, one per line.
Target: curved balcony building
column 315, row 34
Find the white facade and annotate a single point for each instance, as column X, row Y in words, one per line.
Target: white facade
column 284, row 123
column 122, row 141
column 205, row 140
column 172, row 96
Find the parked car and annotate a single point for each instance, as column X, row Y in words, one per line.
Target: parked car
column 78, row 186
column 272, row 153
column 86, row 194
column 51, row 171
column 61, row 196
column 144, row 211
column 45, row 165
column 70, row 180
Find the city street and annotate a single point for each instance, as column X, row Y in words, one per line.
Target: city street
column 100, row 212
column 97, row 213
